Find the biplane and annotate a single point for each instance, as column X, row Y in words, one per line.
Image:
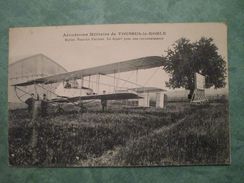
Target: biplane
column 71, row 88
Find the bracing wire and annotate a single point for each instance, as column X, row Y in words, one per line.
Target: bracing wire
column 151, row 76
column 19, row 97
column 105, row 84
column 129, row 76
column 124, row 80
column 48, row 90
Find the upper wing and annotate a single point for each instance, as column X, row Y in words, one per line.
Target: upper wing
column 124, row 66
column 113, row 96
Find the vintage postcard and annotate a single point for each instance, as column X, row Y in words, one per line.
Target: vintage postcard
column 118, row 95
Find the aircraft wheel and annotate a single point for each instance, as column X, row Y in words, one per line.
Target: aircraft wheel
column 83, row 109
column 60, row 110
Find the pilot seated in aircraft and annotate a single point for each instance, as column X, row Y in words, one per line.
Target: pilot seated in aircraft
column 67, row 84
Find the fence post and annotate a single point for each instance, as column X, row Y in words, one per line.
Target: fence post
column 35, row 125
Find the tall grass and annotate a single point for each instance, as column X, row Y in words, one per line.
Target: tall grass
column 138, row 137
column 199, row 138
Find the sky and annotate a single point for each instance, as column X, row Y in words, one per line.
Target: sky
column 68, row 45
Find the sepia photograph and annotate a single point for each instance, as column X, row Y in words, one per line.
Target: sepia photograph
column 118, row 95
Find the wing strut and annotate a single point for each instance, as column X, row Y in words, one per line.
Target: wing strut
column 81, row 85
column 118, row 77
column 136, row 76
column 89, row 81
column 36, row 91
column 48, row 90
column 114, row 81
column 97, row 82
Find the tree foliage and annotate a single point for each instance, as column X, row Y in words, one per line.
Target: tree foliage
column 184, row 59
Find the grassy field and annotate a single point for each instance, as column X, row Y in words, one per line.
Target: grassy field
column 179, row 135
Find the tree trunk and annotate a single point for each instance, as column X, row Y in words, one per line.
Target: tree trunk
column 190, row 94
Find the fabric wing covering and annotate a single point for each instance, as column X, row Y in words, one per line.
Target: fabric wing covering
column 113, row 96
column 124, row 66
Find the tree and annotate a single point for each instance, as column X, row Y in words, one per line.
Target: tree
column 184, row 59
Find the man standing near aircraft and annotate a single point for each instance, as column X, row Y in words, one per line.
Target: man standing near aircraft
column 44, row 105
column 30, row 102
column 104, row 102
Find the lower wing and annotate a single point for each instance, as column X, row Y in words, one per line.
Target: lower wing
column 113, row 96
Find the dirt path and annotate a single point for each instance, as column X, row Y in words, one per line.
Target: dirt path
column 166, row 128
column 109, row 157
